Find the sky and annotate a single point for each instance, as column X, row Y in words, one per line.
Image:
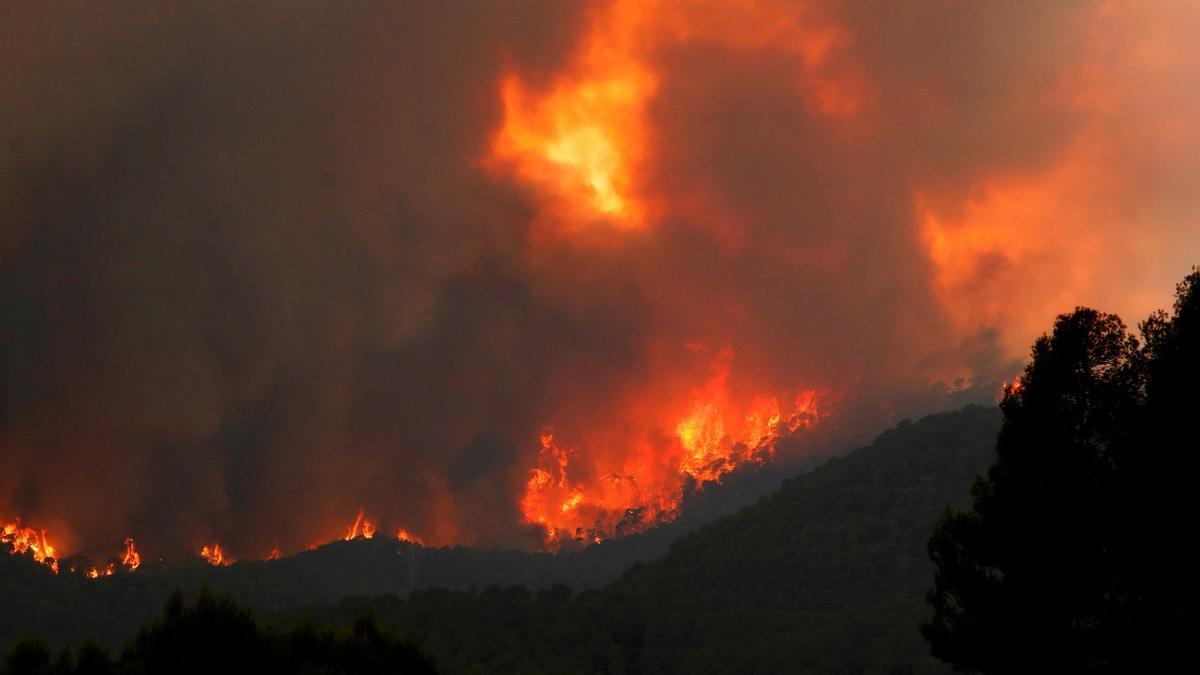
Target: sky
column 516, row 274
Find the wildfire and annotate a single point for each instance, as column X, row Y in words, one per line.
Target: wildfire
column 578, row 140
column 96, row 573
column 362, row 527
column 214, row 555
column 29, row 540
column 406, row 536
column 1013, row 388
column 274, row 553
column 712, row 436
column 585, row 141
column 131, row 559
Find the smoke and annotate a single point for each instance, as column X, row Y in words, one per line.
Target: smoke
column 263, row 268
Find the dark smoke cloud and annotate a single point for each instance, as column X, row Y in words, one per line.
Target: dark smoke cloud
column 254, row 276
column 225, row 233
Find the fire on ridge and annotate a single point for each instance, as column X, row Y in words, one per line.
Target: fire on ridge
column 34, row 542
column 713, row 435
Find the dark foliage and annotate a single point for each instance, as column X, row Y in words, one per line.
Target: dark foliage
column 1074, row 556
column 216, row 636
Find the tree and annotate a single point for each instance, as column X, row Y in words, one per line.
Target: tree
column 1156, row 560
column 1053, row 567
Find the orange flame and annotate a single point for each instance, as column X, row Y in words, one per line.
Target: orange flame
column 1013, row 388
column 712, row 437
column 214, row 555
column 362, row 527
column 274, row 553
column 95, row 573
column 405, row 535
column 132, row 559
column 585, row 142
column 29, row 540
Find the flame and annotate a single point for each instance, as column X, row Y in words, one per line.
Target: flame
column 131, row 559
column 274, row 553
column 214, row 555
column 361, row 528
column 584, row 142
column 712, row 435
column 580, row 140
column 95, row 573
column 30, row 540
column 405, row 535
column 1013, row 388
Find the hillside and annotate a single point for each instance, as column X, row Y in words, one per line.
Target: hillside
column 826, row 575
column 68, row 608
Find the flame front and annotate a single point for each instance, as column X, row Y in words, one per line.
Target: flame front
column 584, row 143
column 713, row 436
column 29, row 540
column 361, row 527
column 214, row 555
column 131, row 559
column 406, row 536
column 96, row 573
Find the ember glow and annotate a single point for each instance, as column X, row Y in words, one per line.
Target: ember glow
column 530, row 279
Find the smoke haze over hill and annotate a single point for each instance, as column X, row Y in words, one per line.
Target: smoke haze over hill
column 262, row 268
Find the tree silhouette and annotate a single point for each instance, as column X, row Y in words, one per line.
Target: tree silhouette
column 1156, row 559
column 216, row 635
column 1057, row 559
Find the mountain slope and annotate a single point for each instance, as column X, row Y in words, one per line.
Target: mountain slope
column 826, row 575
column 68, row 608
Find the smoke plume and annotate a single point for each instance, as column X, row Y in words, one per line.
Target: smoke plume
column 457, row 263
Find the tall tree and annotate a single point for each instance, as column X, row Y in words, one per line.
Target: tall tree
column 1026, row 571
column 1077, row 553
column 1157, row 561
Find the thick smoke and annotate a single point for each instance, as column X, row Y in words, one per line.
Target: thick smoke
column 258, row 270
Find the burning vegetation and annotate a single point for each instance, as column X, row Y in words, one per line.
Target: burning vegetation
column 34, row 542
column 713, row 436
column 361, row 527
column 131, row 559
column 27, row 540
column 606, row 257
column 214, row 555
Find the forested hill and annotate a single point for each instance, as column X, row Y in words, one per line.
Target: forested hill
column 67, row 608
column 826, row 575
